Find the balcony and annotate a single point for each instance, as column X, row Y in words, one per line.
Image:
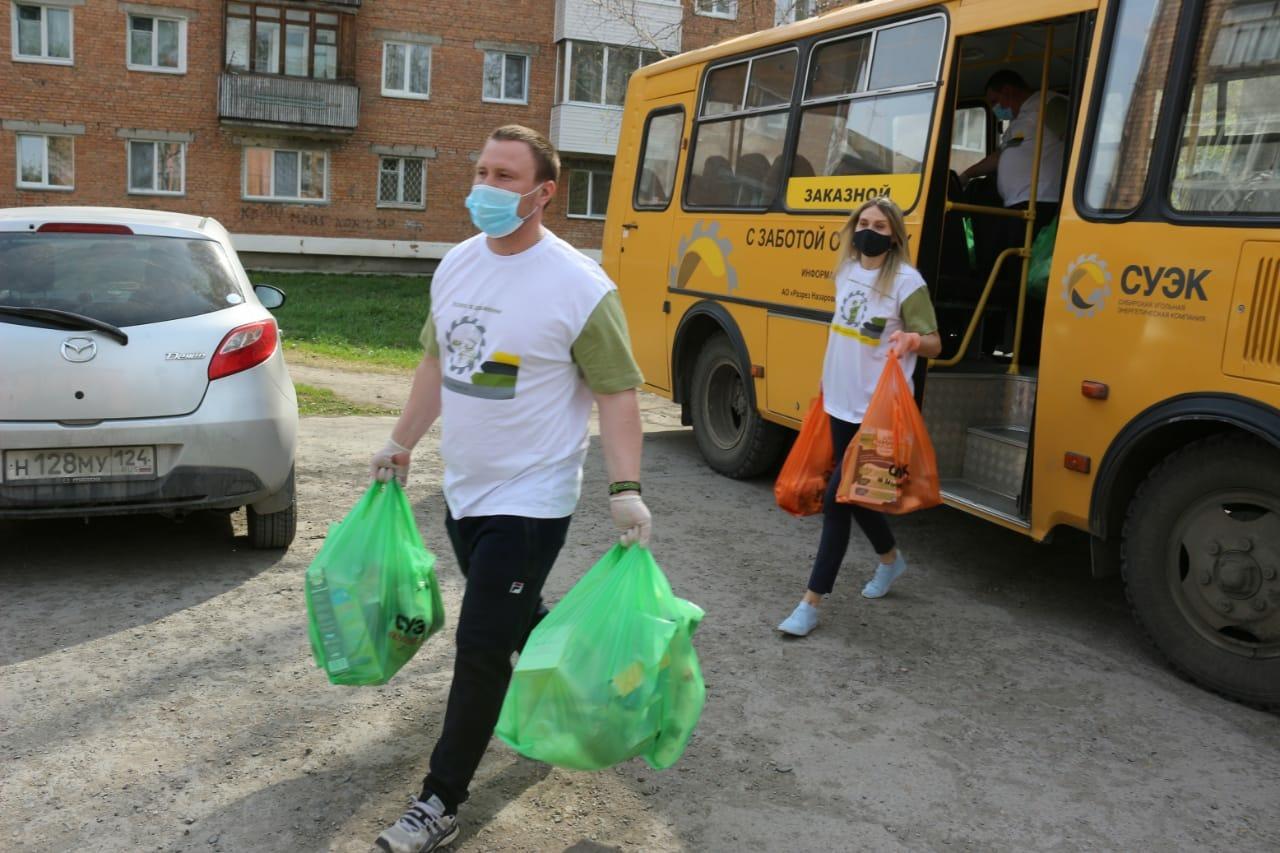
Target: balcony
column 586, row 128
column 647, row 23
column 323, row 107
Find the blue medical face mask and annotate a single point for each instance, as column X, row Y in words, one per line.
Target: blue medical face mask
column 494, row 210
column 1002, row 112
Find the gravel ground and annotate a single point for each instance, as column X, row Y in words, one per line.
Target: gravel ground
column 157, row 690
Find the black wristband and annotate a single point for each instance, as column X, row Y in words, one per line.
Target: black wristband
column 624, row 486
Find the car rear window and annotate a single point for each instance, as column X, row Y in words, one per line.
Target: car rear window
column 122, row 280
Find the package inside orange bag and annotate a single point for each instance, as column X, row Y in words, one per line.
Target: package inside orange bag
column 890, row 465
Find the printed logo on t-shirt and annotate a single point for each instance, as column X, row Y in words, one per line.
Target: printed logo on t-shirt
column 469, row 371
column 849, row 320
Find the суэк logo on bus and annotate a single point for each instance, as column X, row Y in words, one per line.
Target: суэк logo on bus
column 1086, row 285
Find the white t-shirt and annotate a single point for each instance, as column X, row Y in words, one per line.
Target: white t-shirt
column 1018, row 150
column 515, row 405
column 858, row 342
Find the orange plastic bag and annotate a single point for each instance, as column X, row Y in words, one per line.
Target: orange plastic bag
column 804, row 475
column 890, row 465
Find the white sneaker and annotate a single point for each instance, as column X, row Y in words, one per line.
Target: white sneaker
column 423, row 827
column 802, row 620
column 884, row 577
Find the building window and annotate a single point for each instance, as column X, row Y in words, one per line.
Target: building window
column 42, row 34
column 278, row 40
column 284, row 175
column 157, row 44
column 402, row 182
column 157, row 167
column 506, row 77
column 46, row 162
column 790, row 11
column 716, row 8
column 589, row 191
column 598, row 73
column 406, row 70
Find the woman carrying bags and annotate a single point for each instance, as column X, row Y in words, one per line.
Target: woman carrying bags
column 882, row 304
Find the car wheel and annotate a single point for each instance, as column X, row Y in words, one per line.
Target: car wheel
column 731, row 435
column 1202, row 565
column 274, row 529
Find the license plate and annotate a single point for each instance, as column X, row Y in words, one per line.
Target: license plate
column 81, row 464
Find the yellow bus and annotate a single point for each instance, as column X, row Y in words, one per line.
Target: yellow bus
column 1133, row 394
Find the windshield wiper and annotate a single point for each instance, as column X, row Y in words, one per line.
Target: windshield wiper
column 66, row 320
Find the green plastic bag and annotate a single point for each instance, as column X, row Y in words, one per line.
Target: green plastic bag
column 1041, row 260
column 610, row 674
column 372, row 595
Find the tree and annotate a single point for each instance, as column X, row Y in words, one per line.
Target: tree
column 652, row 25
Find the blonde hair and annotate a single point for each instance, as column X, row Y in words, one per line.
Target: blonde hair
column 894, row 259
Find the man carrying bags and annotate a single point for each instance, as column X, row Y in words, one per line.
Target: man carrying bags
column 524, row 332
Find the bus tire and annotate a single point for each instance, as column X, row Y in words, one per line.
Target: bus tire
column 1201, row 565
column 731, row 435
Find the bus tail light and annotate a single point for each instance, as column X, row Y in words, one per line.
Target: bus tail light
column 1077, row 462
column 244, row 347
column 1095, row 390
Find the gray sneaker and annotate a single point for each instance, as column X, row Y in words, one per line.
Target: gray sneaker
column 424, row 827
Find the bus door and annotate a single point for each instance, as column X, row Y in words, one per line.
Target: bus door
column 644, row 259
column 981, row 393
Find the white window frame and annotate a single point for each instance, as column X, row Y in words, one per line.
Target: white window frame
column 44, row 34
column 591, row 188
column 567, row 75
column 405, row 93
column 271, row 180
column 44, row 168
column 155, row 171
column 982, row 131
column 155, row 44
column 505, row 100
column 730, row 15
column 402, row 205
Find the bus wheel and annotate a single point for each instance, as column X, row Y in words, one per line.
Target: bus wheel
column 1202, row 565
column 731, row 435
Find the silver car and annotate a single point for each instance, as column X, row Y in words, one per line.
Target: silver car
column 140, row 372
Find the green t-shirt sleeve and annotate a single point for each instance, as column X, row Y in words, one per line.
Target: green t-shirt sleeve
column 603, row 349
column 917, row 313
column 428, row 336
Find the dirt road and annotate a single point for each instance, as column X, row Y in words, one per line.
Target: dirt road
column 157, row 691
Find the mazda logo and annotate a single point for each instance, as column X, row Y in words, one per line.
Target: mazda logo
column 79, row 350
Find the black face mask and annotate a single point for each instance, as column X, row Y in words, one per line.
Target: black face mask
column 871, row 243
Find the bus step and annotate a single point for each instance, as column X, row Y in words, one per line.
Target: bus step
column 962, row 493
column 995, row 458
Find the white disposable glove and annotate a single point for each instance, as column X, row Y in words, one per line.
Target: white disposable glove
column 391, row 460
column 631, row 516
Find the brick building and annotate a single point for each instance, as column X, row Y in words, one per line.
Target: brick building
column 329, row 129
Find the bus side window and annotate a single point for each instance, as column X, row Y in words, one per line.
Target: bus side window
column 661, row 146
column 849, row 133
column 1229, row 152
column 741, row 128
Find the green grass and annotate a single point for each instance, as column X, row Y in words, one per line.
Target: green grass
column 320, row 401
column 370, row 319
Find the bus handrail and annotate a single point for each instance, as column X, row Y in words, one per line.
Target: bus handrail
column 1011, row 212
column 1030, row 234
column 1021, row 251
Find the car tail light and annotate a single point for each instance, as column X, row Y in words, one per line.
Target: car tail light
column 244, row 347
column 83, row 228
